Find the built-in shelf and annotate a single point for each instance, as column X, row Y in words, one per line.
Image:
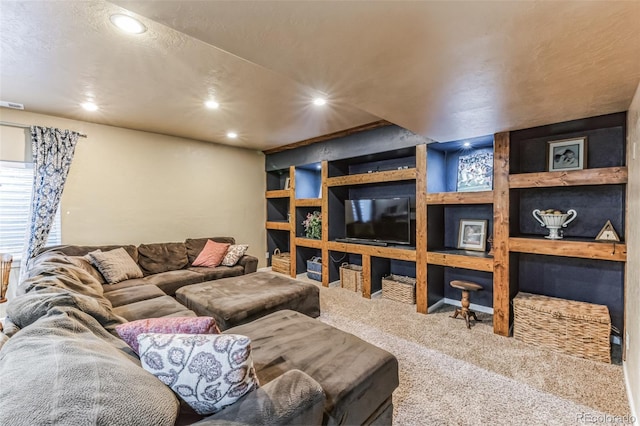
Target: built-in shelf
column 279, row 226
column 278, row 193
column 480, row 197
column 601, row 176
column 308, row 242
column 585, row 249
column 308, row 202
column 477, row 261
column 375, row 177
column 408, row 254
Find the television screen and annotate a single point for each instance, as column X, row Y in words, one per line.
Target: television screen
column 382, row 219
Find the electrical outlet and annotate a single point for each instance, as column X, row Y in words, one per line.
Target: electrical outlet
column 266, row 254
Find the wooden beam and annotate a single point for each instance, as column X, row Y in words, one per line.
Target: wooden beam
column 292, row 221
column 501, row 287
column 308, row 242
column 480, row 197
column 280, row 193
column 580, row 249
column 309, row 202
column 602, row 176
column 340, row 134
column 280, row 226
column 476, row 263
column 376, row 251
column 377, row 177
column 421, row 229
column 366, row 276
column 324, row 173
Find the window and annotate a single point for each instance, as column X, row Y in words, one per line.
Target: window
column 16, row 184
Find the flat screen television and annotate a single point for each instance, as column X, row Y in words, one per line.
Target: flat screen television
column 385, row 220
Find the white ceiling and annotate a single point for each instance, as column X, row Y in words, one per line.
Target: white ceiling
column 445, row 70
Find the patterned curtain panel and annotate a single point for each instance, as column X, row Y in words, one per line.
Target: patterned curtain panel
column 52, row 154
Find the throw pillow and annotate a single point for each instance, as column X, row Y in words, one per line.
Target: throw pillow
column 211, row 255
column 208, row 371
column 115, row 265
column 234, row 253
column 85, row 264
column 189, row 325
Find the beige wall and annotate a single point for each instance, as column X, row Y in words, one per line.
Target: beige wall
column 632, row 292
column 128, row 186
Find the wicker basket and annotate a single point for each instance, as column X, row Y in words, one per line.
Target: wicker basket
column 281, row 262
column 575, row 328
column 314, row 268
column 351, row 277
column 399, row 288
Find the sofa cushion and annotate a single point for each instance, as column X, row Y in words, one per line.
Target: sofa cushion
column 130, row 331
column 152, row 308
column 211, row 255
column 70, row 250
column 168, row 281
column 210, row 274
column 65, row 369
column 195, row 245
column 234, row 253
column 357, row 377
column 162, row 257
column 127, row 295
column 84, row 263
column 115, row 265
column 207, row 371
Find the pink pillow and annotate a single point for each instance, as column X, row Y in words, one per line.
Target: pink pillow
column 172, row 325
column 212, row 254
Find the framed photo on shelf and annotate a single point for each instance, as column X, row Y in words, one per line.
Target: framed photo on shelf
column 475, row 172
column 567, row 154
column 287, row 183
column 472, row 234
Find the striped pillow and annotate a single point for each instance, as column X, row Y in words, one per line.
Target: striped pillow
column 115, row 265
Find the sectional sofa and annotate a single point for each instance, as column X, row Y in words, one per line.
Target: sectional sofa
column 61, row 361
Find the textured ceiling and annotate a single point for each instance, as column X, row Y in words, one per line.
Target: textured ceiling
column 445, row 70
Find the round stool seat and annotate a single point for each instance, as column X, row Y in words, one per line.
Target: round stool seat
column 465, row 285
column 464, row 311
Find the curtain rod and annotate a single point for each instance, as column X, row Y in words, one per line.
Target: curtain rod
column 24, row 126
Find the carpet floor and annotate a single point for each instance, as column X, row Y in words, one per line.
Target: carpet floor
column 456, row 376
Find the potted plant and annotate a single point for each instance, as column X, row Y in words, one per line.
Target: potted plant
column 313, row 225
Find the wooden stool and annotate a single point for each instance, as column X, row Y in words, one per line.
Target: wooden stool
column 466, row 287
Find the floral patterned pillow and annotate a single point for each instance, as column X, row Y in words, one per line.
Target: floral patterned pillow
column 208, row 371
column 190, row 325
column 234, row 253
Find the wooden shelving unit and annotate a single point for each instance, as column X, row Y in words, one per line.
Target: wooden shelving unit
column 480, row 197
column 375, row 177
column 279, row 226
column 461, row 259
column 600, row 176
column 308, row 202
column 581, row 249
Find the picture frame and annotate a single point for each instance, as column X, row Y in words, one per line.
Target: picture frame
column 475, row 171
column 567, row 154
column 287, row 183
column 472, row 234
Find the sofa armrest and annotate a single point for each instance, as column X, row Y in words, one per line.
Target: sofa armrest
column 249, row 263
column 294, row 398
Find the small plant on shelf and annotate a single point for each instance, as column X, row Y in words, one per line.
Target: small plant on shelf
column 312, row 225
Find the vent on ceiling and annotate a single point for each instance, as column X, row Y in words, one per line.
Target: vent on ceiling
column 12, row 105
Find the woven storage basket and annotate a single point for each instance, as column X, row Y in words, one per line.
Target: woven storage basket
column 281, row 262
column 351, row 277
column 575, row 328
column 399, row 288
column 314, row 268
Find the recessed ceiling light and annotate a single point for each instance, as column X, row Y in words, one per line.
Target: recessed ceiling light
column 466, row 144
column 232, row 135
column 319, row 101
column 212, row 104
column 89, row 106
column 128, row 24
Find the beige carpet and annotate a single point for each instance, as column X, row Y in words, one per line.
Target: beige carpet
column 452, row 375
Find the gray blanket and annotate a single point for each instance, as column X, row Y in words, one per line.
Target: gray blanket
column 62, row 365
